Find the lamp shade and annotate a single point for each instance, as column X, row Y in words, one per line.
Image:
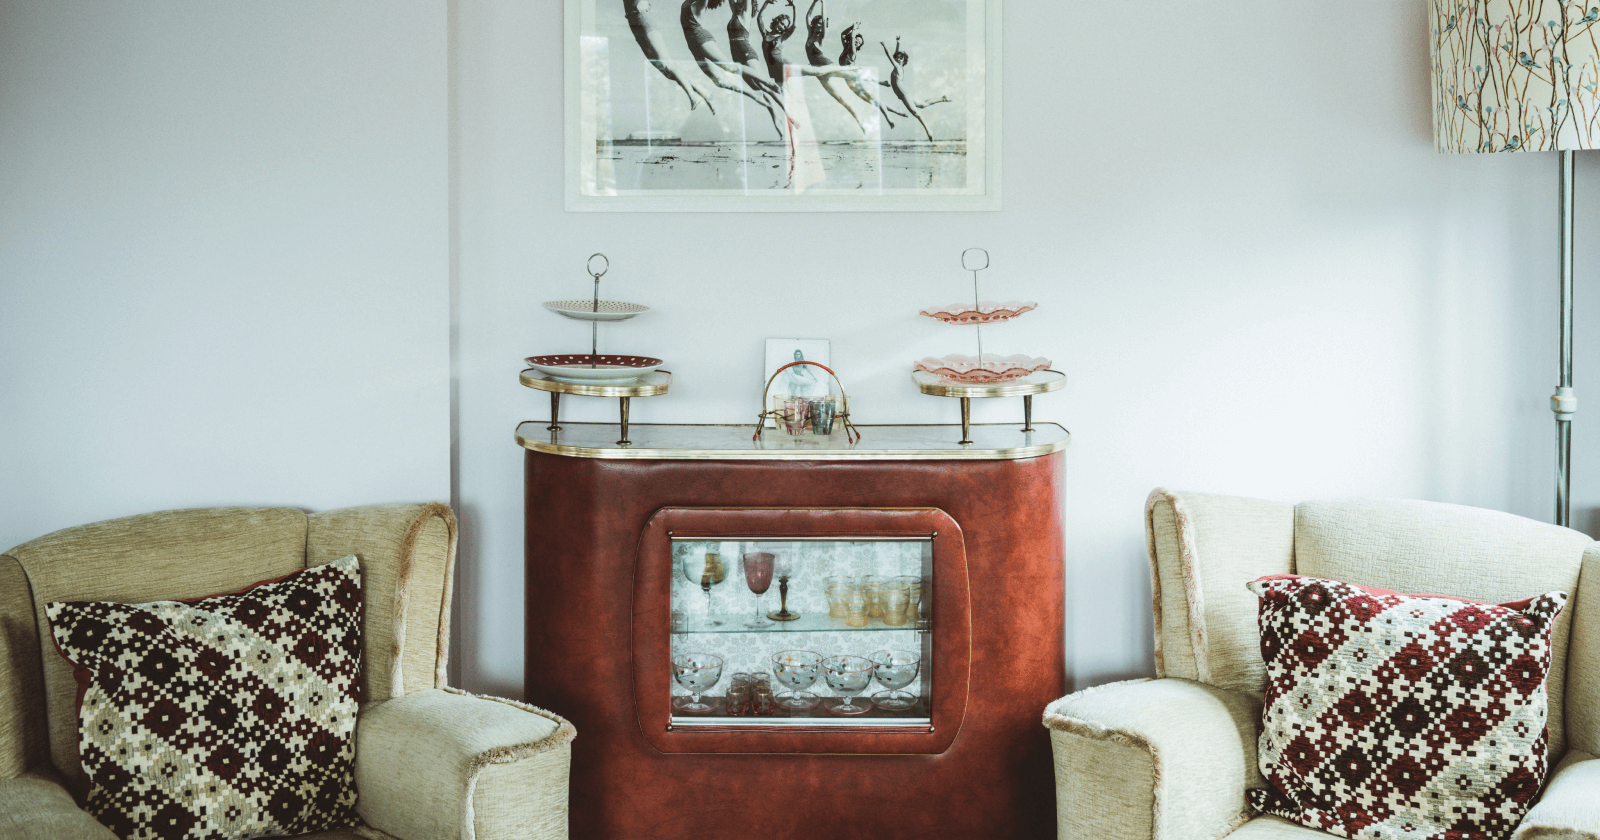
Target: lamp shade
column 1515, row 75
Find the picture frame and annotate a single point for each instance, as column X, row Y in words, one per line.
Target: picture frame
column 811, row 105
column 798, row 381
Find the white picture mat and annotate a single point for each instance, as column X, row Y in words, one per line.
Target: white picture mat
column 589, row 99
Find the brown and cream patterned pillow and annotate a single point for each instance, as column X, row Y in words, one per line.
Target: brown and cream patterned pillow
column 226, row 717
column 1401, row 716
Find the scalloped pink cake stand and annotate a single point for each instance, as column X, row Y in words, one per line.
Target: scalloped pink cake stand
column 987, row 312
column 968, row 370
column 1014, row 376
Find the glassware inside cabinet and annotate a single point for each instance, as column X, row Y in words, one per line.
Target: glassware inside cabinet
column 812, row 632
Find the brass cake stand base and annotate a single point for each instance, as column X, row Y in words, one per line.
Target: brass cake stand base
column 1042, row 382
column 649, row 385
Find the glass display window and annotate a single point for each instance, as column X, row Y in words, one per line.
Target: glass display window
column 804, row 631
column 801, row 630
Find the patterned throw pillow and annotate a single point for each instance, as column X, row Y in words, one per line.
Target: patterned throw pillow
column 1401, row 716
column 224, row 717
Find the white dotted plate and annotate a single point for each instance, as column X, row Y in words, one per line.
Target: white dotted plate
column 584, row 310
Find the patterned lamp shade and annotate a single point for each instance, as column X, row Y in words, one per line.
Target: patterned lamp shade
column 1515, row 75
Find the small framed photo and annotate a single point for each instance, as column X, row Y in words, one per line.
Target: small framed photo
column 800, row 380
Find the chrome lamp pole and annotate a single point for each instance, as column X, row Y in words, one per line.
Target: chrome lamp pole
column 1565, row 402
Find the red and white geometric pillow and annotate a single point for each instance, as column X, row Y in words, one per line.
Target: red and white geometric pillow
column 226, row 717
column 1401, row 716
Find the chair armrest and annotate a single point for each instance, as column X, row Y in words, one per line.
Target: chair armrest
column 1168, row 759
column 34, row 806
column 407, row 553
column 1570, row 807
column 441, row 764
column 1581, row 696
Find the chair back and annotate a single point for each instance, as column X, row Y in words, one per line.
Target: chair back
column 407, row 553
column 1204, row 549
column 171, row 555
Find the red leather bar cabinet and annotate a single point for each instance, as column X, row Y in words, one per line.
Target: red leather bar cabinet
column 700, row 605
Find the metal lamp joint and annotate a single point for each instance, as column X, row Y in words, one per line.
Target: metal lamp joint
column 1564, row 403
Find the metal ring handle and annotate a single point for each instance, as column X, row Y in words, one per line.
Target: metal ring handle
column 849, row 428
column 979, row 268
column 589, row 266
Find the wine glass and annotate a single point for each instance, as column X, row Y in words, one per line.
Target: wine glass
column 849, row 676
column 696, row 672
column 758, row 576
column 705, row 571
column 784, row 566
column 895, row 669
column 796, row 669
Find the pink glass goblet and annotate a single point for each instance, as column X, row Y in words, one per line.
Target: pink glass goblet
column 758, row 576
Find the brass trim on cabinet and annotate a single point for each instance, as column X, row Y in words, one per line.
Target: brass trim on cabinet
column 534, row 436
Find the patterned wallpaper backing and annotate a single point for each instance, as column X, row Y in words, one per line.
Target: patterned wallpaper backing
column 814, row 561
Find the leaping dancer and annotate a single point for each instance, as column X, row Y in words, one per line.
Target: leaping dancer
column 852, row 40
column 659, row 56
column 775, row 31
column 744, row 52
column 898, row 83
column 833, row 82
column 717, row 66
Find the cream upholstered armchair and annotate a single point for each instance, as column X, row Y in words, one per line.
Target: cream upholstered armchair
column 432, row 763
column 1171, row 758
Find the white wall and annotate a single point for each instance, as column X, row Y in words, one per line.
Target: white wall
column 1257, row 273
column 226, row 259
column 224, row 256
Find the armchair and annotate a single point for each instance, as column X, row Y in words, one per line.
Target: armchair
column 1171, row 758
column 432, row 763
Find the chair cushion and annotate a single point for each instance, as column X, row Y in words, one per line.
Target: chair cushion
column 1401, row 715
column 231, row 716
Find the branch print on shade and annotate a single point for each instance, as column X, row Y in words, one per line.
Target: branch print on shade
column 1515, row 75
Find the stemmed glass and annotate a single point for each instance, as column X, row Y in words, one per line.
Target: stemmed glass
column 895, row 669
column 758, row 576
column 849, row 676
column 796, row 669
column 696, row 672
column 784, row 567
column 705, row 571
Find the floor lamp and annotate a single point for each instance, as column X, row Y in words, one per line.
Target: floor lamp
column 1522, row 76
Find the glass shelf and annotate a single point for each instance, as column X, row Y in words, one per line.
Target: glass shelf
column 812, row 623
column 915, row 717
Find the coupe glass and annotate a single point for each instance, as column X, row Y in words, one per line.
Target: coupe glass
column 895, row 669
column 705, row 571
column 796, row 670
column 696, row 672
column 849, row 676
column 758, row 576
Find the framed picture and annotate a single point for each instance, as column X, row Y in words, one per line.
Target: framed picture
column 800, row 380
column 782, row 105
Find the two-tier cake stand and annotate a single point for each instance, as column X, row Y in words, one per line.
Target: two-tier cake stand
column 596, row 375
column 985, row 375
